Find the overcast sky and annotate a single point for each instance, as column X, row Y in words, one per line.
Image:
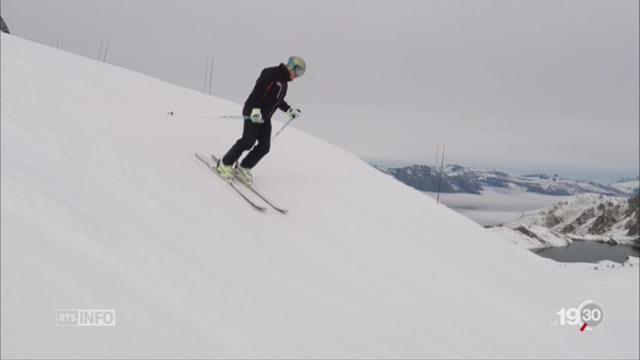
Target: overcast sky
column 523, row 85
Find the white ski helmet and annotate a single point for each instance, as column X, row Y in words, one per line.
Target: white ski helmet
column 297, row 65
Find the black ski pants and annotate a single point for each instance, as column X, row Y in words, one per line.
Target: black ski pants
column 251, row 132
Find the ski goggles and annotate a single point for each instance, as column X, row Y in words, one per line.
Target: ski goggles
column 298, row 70
column 296, row 65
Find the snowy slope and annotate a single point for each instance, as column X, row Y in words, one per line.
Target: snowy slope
column 532, row 237
column 104, row 206
column 585, row 216
column 627, row 186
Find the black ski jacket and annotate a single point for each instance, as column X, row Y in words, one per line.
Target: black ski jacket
column 269, row 92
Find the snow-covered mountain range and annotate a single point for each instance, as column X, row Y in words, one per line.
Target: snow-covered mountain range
column 104, row 206
column 628, row 186
column 585, row 217
column 457, row 178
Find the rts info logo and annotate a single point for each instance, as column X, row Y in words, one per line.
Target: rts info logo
column 86, row 317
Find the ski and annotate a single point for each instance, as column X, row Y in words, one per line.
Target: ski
column 231, row 183
column 257, row 193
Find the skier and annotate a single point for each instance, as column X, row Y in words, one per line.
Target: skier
column 267, row 96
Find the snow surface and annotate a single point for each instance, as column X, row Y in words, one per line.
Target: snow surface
column 628, row 187
column 570, row 209
column 551, row 184
column 545, row 237
column 105, row 206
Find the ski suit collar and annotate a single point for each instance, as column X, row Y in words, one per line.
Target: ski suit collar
column 285, row 72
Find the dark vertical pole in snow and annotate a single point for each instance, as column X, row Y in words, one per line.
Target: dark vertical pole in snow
column 106, row 50
column 101, row 46
column 206, row 75
column 211, row 78
column 440, row 177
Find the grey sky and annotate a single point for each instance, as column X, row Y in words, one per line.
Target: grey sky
column 513, row 84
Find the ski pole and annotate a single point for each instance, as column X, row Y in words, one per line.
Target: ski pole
column 248, row 118
column 234, row 117
column 282, row 128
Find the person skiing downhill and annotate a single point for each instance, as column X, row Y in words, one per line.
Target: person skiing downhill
column 267, row 96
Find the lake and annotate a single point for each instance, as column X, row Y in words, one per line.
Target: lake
column 589, row 251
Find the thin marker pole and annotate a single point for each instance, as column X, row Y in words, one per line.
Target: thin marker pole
column 211, row 78
column 440, row 179
column 106, row 51
column 206, row 75
column 101, row 47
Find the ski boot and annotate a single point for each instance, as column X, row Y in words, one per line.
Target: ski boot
column 244, row 175
column 225, row 171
